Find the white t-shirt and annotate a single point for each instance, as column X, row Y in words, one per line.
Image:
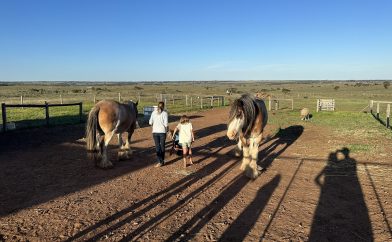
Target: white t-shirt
column 159, row 121
column 185, row 132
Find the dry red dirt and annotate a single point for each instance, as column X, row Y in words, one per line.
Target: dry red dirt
column 49, row 191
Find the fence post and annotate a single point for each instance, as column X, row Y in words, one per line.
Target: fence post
column 378, row 111
column 186, row 100
column 47, row 113
column 201, row 103
column 371, row 106
column 165, row 102
column 318, row 105
column 80, row 111
column 292, row 104
column 173, row 99
column 212, row 101
column 61, row 99
column 119, row 96
column 333, row 103
column 276, row 105
column 95, row 99
column 269, row 103
column 4, row 116
column 191, row 102
column 388, row 115
column 21, row 100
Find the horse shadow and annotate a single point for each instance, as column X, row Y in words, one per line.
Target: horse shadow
column 38, row 165
column 238, row 230
column 281, row 140
column 134, row 211
column 341, row 213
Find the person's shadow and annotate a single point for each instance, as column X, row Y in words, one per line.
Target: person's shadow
column 341, row 214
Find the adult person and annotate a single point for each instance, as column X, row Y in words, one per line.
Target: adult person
column 159, row 122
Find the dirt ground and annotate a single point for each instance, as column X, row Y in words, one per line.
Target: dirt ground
column 311, row 189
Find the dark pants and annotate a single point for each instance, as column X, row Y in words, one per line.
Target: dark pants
column 159, row 139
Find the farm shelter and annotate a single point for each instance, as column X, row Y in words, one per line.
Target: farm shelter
column 313, row 179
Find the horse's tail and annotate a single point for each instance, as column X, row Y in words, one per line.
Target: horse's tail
column 91, row 130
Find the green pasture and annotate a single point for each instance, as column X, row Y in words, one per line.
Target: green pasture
column 351, row 97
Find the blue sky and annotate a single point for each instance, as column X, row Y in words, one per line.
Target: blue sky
column 195, row 40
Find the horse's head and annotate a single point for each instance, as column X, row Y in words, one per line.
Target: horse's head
column 236, row 119
column 133, row 105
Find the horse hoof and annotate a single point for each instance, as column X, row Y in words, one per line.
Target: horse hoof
column 251, row 173
column 122, row 155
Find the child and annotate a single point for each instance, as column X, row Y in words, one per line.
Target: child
column 186, row 138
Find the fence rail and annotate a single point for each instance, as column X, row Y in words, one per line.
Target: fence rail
column 47, row 105
column 276, row 101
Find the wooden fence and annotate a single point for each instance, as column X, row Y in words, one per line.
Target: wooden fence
column 325, row 105
column 377, row 114
column 4, row 107
column 275, row 102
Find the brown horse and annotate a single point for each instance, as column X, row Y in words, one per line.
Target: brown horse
column 247, row 120
column 105, row 119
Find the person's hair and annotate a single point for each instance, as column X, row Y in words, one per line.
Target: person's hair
column 161, row 107
column 184, row 119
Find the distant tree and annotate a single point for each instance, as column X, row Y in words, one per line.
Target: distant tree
column 386, row 84
column 138, row 88
column 285, row 91
column 336, row 88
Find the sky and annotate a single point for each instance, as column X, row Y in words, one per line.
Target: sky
column 164, row 40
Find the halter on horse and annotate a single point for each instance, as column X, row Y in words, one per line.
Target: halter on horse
column 247, row 120
column 105, row 119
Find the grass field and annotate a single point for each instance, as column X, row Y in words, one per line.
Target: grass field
column 351, row 98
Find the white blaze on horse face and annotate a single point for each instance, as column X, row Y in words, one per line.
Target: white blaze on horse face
column 234, row 127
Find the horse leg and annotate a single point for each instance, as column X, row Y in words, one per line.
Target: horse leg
column 105, row 162
column 122, row 153
column 252, row 170
column 238, row 149
column 97, row 154
column 245, row 158
column 128, row 141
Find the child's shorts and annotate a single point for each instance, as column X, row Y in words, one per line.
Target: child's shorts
column 186, row 144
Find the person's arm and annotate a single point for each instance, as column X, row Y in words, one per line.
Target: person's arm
column 193, row 135
column 151, row 120
column 165, row 121
column 174, row 132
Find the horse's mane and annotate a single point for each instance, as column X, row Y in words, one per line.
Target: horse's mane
column 247, row 103
column 132, row 105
